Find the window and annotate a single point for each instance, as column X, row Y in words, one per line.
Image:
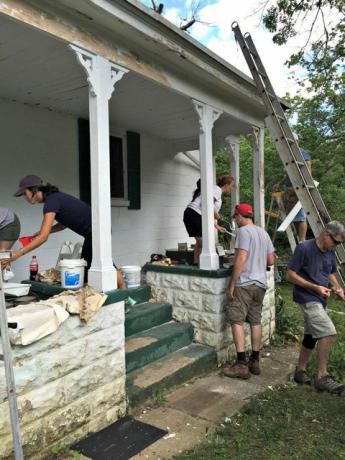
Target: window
column 124, row 151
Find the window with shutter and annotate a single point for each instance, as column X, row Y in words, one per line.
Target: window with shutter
column 125, row 184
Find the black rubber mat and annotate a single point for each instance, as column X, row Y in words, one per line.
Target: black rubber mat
column 119, row 441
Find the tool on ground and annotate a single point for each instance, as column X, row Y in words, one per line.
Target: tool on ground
column 288, row 149
column 6, row 357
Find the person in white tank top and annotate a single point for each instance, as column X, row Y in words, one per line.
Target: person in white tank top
column 192, row 214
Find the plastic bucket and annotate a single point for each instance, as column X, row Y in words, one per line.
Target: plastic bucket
column 72, row 273
column 131, row 274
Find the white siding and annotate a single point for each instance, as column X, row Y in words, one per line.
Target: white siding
column 36, row 141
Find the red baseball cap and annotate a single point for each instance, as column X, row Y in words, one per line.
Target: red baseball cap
column 243, row 208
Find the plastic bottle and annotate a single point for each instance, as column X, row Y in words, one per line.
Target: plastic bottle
column 33, row 268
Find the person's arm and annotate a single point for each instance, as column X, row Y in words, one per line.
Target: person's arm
column 271, row 259
column 336, row 288
column 41, row 238
column 295, row 278
column 241, row 256
column 57, row 228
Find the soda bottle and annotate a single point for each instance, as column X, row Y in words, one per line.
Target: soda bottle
column 33, row 268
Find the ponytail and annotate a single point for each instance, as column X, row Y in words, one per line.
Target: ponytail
column 197, row 191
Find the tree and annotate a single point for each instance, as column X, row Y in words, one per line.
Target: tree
column 323, row 57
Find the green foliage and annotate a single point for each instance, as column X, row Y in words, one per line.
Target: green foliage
column 320, row 116
column 322, row 57
column 288, row 318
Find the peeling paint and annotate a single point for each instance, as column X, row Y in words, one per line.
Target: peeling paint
column 66, row 31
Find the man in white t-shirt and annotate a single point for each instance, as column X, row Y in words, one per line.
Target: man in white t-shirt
column 254, row 251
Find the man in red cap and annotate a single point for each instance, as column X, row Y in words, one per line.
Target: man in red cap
column 253, row 252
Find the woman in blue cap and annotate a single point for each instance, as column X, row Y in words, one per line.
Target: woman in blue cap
column 60, row 211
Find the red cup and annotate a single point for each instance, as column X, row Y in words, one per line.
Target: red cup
column 25, row 240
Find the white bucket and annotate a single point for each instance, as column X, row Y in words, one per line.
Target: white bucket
column 131, row 275
column 72, row 273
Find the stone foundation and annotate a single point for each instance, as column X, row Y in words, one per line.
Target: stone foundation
column 68, row 384
column 200, row 300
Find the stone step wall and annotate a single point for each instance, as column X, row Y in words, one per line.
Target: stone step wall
column 68, row 384
column 201, row 301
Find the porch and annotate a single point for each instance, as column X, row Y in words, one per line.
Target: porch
column 109, row 119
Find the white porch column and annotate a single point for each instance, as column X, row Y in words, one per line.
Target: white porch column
column 257, row 140
column 207, row 116
column 234, row 153
column 101, row 76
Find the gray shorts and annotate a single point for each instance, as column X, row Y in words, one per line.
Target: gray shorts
column 317, row 323
column 11, row 232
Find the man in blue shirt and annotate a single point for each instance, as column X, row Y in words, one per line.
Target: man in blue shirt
column 290, row 197
column 312, row 270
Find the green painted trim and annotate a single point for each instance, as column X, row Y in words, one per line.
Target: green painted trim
column 84, row 160
column 188, row 270
column 169, row 337
column 44, row 291
column 204, row 360
column 133, row 170
column 145, row 316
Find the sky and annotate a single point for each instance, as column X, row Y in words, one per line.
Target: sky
column 217, row 35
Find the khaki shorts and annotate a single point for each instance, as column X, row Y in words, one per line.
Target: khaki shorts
column 246, row 305
column 317, row 323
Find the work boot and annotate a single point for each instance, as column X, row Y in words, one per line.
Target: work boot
column 238, row 370
column 254, row 366
column 301, row 377
column 326, row 383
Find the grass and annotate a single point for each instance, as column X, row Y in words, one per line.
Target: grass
column 288, row 422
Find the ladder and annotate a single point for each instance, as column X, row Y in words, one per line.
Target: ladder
column 6, row 357
column 288, row 149
column 281, row 214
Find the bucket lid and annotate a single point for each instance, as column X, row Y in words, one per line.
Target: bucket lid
column 72, row 263
column 130, row 268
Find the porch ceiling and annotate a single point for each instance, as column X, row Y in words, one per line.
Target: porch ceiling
column 40, row 71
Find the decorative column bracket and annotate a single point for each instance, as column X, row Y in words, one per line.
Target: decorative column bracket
column 94, row 65
column 208, row 115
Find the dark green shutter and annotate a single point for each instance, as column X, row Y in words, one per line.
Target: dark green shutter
column 84, row 161
column 133, row 170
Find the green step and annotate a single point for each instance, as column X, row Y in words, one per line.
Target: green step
column 43, row 291
column 158, row 341
column 144, row 316
column 155, row 378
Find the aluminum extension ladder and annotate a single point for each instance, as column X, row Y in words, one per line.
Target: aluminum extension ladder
column 288, row 149
column 6, row 357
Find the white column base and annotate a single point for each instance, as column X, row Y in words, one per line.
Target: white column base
column 209, row 261
column 103, row 280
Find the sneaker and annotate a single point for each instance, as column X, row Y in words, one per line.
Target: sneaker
column 254, row 366
column 326, row 383
column 301, row 377
column 238, row 370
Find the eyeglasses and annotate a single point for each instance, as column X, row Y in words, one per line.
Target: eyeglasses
column 336, row 242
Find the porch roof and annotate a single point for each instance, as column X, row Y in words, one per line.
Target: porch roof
column 39, row 70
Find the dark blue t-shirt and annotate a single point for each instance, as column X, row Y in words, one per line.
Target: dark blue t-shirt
column 70, row 212
column 313, row 265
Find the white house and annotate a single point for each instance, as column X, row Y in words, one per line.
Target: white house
column 101, row 98
column 162, row 86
